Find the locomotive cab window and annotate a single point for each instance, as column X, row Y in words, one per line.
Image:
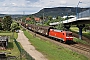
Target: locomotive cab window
column 69, row 34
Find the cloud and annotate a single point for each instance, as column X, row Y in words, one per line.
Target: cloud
column 33, row 6
column 13, row 4
column 32, row 1
column 9, row 5
column 2, row 0
column 63, row 2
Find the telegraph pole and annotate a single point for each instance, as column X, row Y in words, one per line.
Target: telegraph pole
column 23, row 15
column 43, row 17
column 34, row 26
column 77, row 14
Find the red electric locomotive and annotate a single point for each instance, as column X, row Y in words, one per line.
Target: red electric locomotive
column 62, row 35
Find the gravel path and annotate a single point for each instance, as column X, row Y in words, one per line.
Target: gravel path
column 28, row 47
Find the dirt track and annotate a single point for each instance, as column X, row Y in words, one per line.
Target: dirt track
column 29, row 48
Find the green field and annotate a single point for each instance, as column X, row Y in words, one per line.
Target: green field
column 52, row 51
column 74, row 29
column 12, row 48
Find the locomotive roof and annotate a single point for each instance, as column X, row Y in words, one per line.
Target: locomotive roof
column 68, row 32
column 61, row 31
column 57, row 30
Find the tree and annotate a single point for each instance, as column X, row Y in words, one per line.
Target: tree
column 32, row 20
column 41, row 17
column 14, row 26
column 47, row 23
column 60, row 25
column 7, row 21
column 0, row 26
column 67, row 18
column 58, row 17
column 50, row 17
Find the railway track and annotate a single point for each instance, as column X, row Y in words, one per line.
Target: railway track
column 80, row 47
column 74, row 47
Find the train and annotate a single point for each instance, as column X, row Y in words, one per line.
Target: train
column 64, row 36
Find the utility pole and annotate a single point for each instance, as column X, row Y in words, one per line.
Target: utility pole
column 23, row 15
column 43, row 17
column 77, row 15
column 34, row 27
column 23, row 12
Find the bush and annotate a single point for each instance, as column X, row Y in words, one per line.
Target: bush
column 24, row 29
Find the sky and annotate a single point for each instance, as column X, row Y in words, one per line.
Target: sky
column 34, row 6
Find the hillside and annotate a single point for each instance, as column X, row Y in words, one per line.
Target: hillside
column 13, row 15
column 59, row 11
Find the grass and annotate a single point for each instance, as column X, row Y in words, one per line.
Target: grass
column 87, row 34
column 5, row 31
column 52, row 51
column 80, row 41
column 7, row 34
column 12, row 48
column 74, row 29
column 14, row 51
column 15, row 35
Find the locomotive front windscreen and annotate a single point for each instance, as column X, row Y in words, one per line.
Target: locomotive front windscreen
column 68, row 34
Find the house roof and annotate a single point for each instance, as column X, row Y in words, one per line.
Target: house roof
column 3, row 38
column 28, row 18
column 37, row 19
